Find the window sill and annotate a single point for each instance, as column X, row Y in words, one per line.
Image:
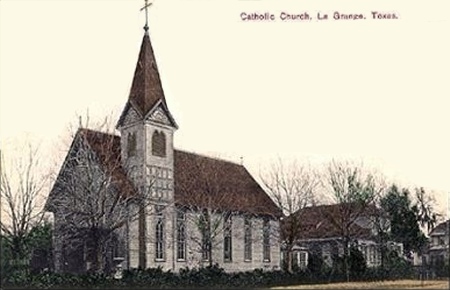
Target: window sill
column 181, row 260
column 247, row 260
column 160, row 260
column 266, row 261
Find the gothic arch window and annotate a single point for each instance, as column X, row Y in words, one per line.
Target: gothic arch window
column 227, row 239
column 159, row 144
column 131, row 144
column 266, row 240
column 159, row 233
column 247, row 239
column 181, row 235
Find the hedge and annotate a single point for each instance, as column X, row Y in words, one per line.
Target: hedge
column 208, row 277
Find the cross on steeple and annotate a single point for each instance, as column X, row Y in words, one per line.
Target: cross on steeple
column 146, row 14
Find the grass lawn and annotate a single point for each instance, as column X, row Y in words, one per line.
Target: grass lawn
column 399, row 284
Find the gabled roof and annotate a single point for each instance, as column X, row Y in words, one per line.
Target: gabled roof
column 210, row 182
column 107, row 150
column 319, row 222
column 146, row 89
column 200, row 181
column 441, row 228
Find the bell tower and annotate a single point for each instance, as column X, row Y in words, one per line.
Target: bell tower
column 147, row 129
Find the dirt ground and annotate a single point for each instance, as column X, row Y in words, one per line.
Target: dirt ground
column 399, row 284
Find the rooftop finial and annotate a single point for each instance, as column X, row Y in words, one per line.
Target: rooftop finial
column 146, row 14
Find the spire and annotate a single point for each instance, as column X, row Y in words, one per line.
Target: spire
column 146, row 89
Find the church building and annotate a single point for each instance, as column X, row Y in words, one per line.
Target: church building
column 133, row 200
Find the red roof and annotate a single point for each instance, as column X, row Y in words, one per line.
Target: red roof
column 209, row 182
column 200, row 181
column 107, row 149
column 326, row 221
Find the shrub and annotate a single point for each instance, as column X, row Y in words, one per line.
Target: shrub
column 208, row 277
column 357, row 264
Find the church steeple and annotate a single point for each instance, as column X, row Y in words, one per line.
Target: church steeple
column 146, row 89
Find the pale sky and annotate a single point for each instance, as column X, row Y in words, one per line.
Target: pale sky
column 370, row 90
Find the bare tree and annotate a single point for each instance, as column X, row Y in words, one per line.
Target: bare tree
column 206, row 197
column 293, row 188
column 94, row 198
column 21, row 185
column 425, row 206
column 379, row 221
column 353, row 189
column 213, row 193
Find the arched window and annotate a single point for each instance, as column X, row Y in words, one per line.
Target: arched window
column 227, row 240
column 266, row 240
column 159, row 144
column 131, row 144
column 247, row 239
column 159, row 233
column 181, row 235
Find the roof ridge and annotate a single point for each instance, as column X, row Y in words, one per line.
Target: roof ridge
column 209, row 157
column 175, row 149
column 97, row 131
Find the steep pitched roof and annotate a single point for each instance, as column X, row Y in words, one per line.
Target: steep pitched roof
column 209, row 182
column 200, row 181
column 146, row 88
column 318, row 222
column 107, row 150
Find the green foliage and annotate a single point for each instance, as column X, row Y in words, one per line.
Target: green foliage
column 6, row 256
column 404, row 219
column 440, row 268
column 357, row 263
column 40, row 236
column 211, row 277
column 315, row 264
column 395, row 268
column 40, row 241
column 22, row 254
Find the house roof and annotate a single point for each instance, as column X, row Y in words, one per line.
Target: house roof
column 324, row 221
column 200, row 181
column 441, row 228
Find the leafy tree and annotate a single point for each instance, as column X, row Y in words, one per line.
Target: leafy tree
column 357, row 262
column 315, row 263
column 41, row 247
column 404, row 219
